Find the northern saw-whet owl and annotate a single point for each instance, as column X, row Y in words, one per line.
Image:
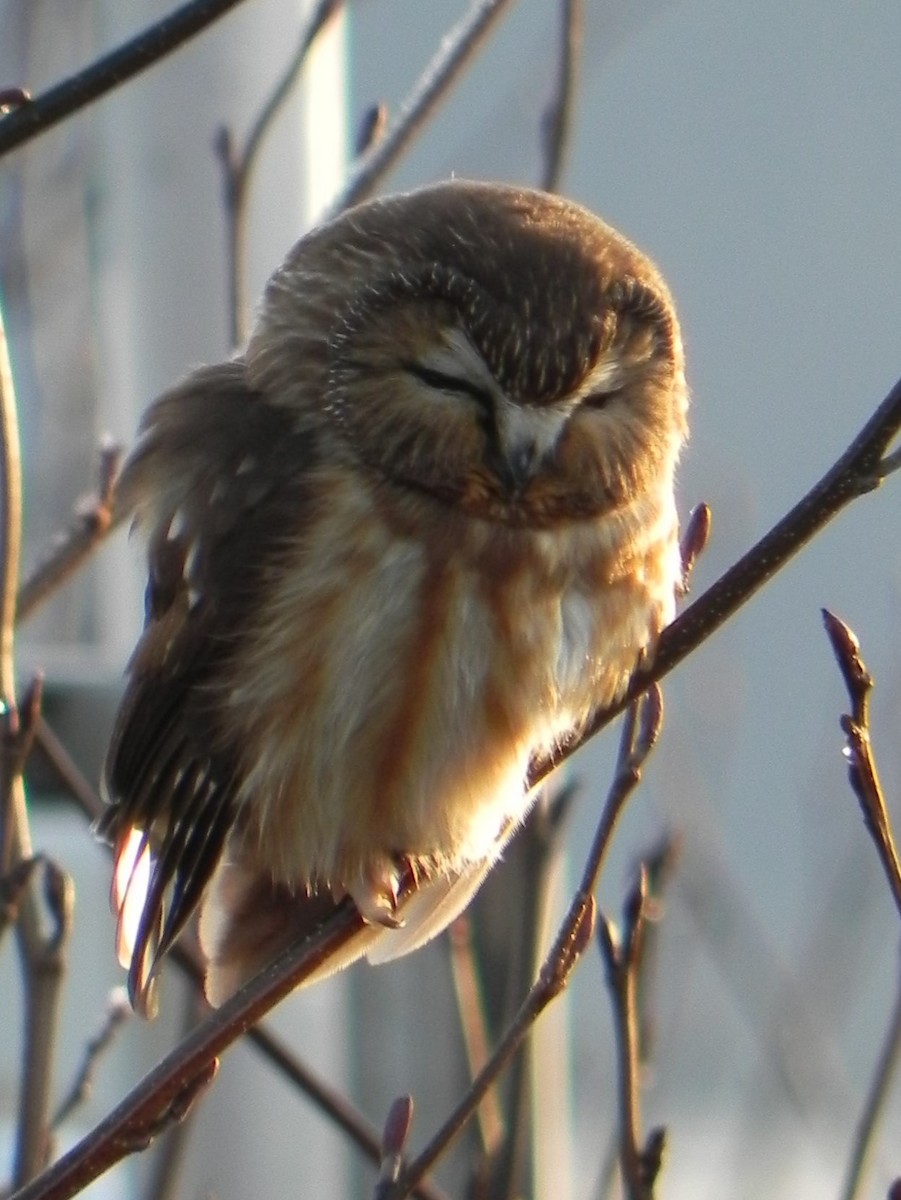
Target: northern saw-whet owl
column 409, row 540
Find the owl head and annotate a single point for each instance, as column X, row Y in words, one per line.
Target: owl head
column 497, row 349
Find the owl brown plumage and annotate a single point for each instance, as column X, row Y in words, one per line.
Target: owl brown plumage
column 406, row 542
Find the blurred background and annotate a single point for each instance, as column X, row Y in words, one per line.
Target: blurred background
column 754, row 152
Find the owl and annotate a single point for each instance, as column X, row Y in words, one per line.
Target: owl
column 406, row 542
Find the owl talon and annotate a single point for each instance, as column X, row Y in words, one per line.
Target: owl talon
column 375, row 895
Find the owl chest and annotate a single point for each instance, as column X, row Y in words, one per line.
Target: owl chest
column 401, row 685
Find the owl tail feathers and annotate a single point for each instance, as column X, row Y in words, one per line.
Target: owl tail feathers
column 247, row 920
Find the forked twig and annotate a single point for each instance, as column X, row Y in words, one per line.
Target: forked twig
column 237, row 164
column 622, row 952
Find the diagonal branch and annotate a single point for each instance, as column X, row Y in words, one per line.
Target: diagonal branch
column 456, row 51
column 861, row 469
column 29, row 119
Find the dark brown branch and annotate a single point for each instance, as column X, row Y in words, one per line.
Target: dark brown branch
column 28, row 120
column 557, row 120
column 456, row 51
column 640, row 732
column 874, row 1106
column 326, row 1098
column 859, row 470
column 862, row 772
column 91, row 523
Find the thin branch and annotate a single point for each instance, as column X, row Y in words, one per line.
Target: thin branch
column 874, row 1106
column 471, row 1011
column 118, row 1010
column 40, row 953
column 557, row 120
column 326, row 1098
column 456, row 51
column 859, row 470
column 640, row 731
column 622, row 954
column 862, row 772
column 92, row 521
column 28, row 120
column 237, row 165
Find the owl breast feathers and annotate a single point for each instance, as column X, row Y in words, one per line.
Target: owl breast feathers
column 406, row 542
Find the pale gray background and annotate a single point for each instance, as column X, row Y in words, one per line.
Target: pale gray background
column 754, row 151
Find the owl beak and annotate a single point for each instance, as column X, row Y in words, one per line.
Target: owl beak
column 527, row 438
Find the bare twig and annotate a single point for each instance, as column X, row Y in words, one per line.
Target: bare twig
column 557, row 119
column 40, row 953
column 43, row 959
column 622, row 953
column 470, row 1007
column 326, row 1098
column 456, row 51
column 118, row 1010
column 533, row 858
column 28, row 120
column 874, row 1107
column 237, row 165
column 862, row 772
column 394, row 1144
column 92, row 521
column 860, row 469
column 640, row 732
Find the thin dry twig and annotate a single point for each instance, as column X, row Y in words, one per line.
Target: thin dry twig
column 92, row 521
column 456, row 51
column 41, row 953
column 557, row 120
column 28, row 119
column 874, row 1106
column 862, row 772
column 118, row 1010
column 471, row 1011
column 237, row 164
column 622, row 953
column 640, row 731
column 859, row 470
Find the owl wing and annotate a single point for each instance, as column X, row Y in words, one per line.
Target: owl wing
column 210, row 454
